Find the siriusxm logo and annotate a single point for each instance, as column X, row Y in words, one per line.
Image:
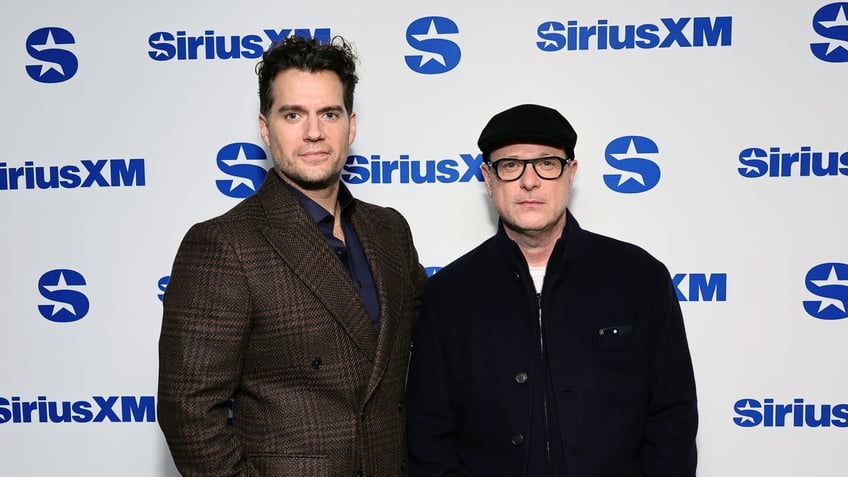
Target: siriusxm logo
column 627, row 154
column 362, row 169
column 753, row 413
column 701, row 286
column 831, row 22
column 432, row 270
column 55, row 64
column 438, row 54
column 98, row 409
column 163, row 284
column 247, row 163
column 829, row 282
column 166, row 46
column 758, row 162
column 97, row 173
column 682, row 32
column 62, row 287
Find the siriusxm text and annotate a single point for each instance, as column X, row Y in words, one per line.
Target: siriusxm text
column 209, row 46
column 88, row 173
column 759, row 162
column 701, row 286
column 768, row 413
column 98, row 409
column 681, row 32
column 374, row 169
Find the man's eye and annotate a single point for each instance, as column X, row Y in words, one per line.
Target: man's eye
column 332, row 115
column 290, row 116
column 509, row 165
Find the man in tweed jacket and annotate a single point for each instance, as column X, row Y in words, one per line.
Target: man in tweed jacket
column 287, row 320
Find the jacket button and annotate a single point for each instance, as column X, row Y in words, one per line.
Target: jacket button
column 316, row 363
column 517, row 440
column 400, row 406
column 521, row 378
column 358, row 473
column 516, row 277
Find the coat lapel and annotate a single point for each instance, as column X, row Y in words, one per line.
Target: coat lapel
column 297, row 240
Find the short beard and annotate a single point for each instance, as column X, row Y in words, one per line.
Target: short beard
column 308, row 184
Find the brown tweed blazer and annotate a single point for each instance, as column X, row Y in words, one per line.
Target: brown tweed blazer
column 260, row 310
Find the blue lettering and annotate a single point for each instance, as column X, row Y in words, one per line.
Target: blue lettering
column 474, row 165
column 675, row 32
column 82, row 411
column 702, row 287
column 163, row 49
column 42, row 410
column 712, row 33
column 167, row 46
column 751, row 413
column 360, row 169
column 552, row 39
column 106, row 411
column 706, row 31
column 354, row 174
column 139, row 409
column 806, row 162
column 163, row 284
column 127, row 173
column 648, row 36
column 121, row 173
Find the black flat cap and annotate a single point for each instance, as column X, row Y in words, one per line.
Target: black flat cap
column 531, row 124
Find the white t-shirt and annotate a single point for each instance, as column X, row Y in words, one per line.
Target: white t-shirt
column 538, row 275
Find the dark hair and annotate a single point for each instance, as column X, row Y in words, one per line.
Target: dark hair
column 310, row 55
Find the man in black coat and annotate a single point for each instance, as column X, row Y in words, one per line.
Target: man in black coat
column 548, row 350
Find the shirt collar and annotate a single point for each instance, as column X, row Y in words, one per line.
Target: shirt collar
column 318, row 213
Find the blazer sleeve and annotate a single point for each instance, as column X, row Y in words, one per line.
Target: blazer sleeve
column 671, row 422
column 205, row 325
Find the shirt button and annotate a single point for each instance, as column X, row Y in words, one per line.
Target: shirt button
column 316, row 363
column 517, row 440
column 521, row 378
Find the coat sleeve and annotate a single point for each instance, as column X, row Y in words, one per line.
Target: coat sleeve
column 432, row 420
column 671, row 422
column 205, row 325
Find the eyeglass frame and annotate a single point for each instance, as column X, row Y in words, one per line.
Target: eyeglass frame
column 564, row 161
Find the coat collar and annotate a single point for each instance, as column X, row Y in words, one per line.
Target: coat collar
column 565, row 252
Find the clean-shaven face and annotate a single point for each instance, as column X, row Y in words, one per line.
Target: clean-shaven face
column 530, row 205
column 308, row 129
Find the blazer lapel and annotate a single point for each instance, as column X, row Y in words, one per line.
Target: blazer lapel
column 389, row 289
column 294, row 236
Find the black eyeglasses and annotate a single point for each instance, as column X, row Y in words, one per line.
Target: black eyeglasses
column 548, row 167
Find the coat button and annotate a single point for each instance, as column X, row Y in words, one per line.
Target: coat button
column 516, row 277
column 517, row 440
column 521, row 378
column 400, row 406
column 316, row 363
column 358, row 473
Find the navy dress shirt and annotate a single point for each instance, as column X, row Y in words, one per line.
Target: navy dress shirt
column 350, row 251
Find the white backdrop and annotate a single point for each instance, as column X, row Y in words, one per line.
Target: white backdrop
column 713, row 134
